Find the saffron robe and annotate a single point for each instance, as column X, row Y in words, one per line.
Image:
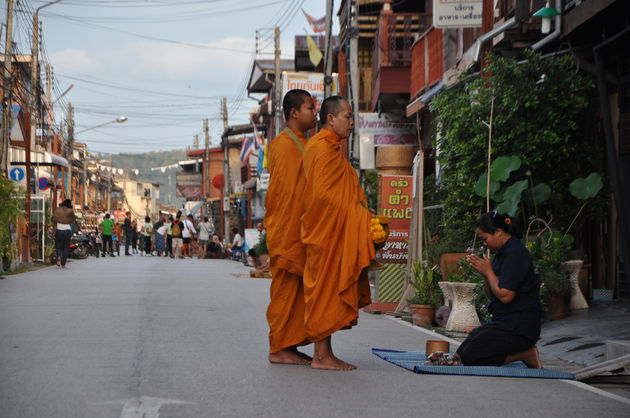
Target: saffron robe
column 285, row 314
column 336, row 236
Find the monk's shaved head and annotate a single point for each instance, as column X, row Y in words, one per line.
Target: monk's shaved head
column 294, row 99
column 331, row 106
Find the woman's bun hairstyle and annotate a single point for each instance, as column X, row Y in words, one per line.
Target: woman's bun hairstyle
column 491, row 221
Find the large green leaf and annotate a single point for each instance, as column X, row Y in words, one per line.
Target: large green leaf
column 586, row 188
column 512, row 198
column 539, row 193
column 482, row 185
column 502, row 167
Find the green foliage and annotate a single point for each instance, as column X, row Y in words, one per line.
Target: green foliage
column 424, row 284
column 465, row 273
column 544, row 124
column 587, row 188
column 261, row 247
column 10, row 209
column 369, row 181
column 548, row 251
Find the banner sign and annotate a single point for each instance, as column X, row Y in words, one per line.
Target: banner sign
column 457, row 13
column 387, row 129
column 309, row 81
column 396, row 203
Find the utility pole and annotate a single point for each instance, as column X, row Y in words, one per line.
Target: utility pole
column 328, row 50
column 226, row 169
column 353, row 68
column 196, row 141
column 70, row 150
column 277, row 83
column 7, row 89
column 206, row 162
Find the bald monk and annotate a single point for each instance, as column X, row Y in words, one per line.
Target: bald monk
column 335, row 234
column 285, row 314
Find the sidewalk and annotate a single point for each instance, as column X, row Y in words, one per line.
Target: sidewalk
column 579, row 340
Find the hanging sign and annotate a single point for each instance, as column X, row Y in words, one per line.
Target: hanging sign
column 457, row 13
column 396, row 203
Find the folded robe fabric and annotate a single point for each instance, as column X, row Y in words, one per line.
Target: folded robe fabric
column 336, row 236
column 285, row 314
column 414, row 361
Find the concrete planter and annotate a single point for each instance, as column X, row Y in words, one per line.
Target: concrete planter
column 578, row 301
column 463, row 314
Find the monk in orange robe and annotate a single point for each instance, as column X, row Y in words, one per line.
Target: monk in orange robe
column 285, row 314
column 336, row 235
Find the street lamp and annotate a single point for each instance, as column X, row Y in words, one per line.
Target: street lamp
column 119, row 119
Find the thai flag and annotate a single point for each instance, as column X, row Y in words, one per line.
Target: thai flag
column 259, row 139
column 247, row 147
column 318, row 25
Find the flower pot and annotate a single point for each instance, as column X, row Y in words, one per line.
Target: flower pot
column 448, row 263
column 556, row 306
column 422, row 315
column 573, row 267
column 463, row 313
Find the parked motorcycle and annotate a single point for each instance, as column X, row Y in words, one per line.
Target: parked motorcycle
column 81, row 246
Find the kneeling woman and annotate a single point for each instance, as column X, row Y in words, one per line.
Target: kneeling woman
column 512, row 333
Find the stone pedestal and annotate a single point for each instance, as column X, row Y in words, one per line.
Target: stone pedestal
column 463, row 314
column 578, row 301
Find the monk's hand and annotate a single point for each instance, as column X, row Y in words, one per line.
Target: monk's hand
column 482, row 265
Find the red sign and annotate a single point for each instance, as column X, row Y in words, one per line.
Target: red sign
column 396, row 195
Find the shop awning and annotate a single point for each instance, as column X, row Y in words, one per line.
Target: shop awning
column 423, row 100
column 45, row 158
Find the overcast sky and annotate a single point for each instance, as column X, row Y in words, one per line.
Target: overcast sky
column 163, row 64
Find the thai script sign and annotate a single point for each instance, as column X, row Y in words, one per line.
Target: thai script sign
column 387, row 129
column 396, row 203
column 457, row 13
column 311, row 82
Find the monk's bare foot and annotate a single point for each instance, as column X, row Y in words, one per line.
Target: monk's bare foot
column 331, row 363
column 301, row 354
column 532, row 359
column 288, row 357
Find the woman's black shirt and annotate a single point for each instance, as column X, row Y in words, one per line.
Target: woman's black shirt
column 514, row 266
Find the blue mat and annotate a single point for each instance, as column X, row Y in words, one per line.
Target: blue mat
column 414, row 361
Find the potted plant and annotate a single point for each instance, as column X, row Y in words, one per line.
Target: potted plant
column 549, row 250
column 422, row 304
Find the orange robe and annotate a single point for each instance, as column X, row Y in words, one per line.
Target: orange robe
column 283, row 203
column 336, row 236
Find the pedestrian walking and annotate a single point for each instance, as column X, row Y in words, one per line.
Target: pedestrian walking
column 512, row 333
column 128, row 230
column 135, row 235
column 178, row 239
column 206, row 230
column 159, row 230
column 188, row 234
column 169, row 237
column 117, row 237
column 107, row 230
column 63, row 218
column 147, row 230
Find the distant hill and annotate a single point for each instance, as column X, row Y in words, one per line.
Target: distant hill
column 143, row 162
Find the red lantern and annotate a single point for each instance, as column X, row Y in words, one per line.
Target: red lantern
column 218, row 181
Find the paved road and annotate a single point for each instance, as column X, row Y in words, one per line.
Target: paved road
column 142, row 336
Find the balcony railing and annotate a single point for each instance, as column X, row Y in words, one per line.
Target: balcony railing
column 395, row 36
